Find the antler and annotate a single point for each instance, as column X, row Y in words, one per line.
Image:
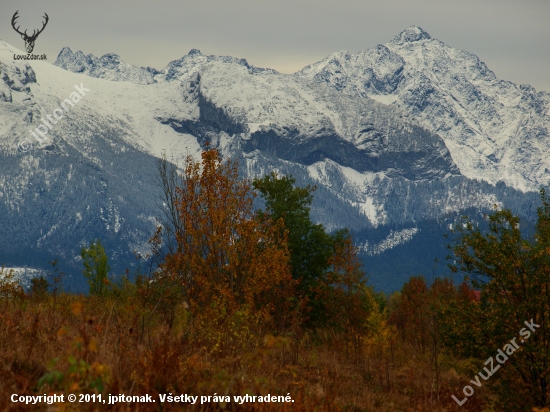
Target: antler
column 15, row 16
column 43, row 25
column 35, row 33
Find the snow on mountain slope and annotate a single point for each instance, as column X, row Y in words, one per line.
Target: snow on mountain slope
column 82, row 182
column 110, row 67
column 20, row 275
column 494, row 129
column 127, row 107
column 94, row 177
column 304, row 123
column 315, row 122
column 395, row 238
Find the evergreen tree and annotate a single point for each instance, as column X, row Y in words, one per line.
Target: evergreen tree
column 310, row 245
column 325, row 265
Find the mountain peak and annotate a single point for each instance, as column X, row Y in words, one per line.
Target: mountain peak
column 109, row 66
column 411, row 34
column 65, row 51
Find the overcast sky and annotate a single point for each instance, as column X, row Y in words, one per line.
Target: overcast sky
column 511, row 36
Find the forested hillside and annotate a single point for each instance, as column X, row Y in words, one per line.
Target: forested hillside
column 246, row 309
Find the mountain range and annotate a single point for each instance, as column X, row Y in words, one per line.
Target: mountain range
column 399, row 140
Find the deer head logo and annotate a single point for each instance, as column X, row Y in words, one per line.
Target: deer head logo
column 29, row 40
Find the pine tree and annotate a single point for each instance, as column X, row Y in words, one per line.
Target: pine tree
column 309, row 244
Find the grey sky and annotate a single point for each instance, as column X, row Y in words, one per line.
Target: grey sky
column 511, row 36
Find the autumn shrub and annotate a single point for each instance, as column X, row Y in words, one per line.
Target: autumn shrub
column 513, row 274
column 232, row 265
column 126, row 344
column 78, row 371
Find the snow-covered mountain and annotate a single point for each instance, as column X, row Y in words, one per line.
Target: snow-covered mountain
column 110, row 67
column 389, row 136
column 494, row 129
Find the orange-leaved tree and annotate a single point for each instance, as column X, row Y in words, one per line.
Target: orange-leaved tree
column 429, row 317
column 225, row 254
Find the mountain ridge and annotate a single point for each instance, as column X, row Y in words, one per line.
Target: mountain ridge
column 472, row 110
column 363, row 128
column 486, row 123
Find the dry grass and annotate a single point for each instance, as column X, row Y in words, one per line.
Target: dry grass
column 119, row 345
